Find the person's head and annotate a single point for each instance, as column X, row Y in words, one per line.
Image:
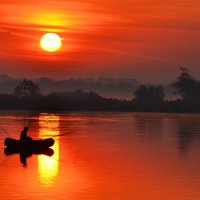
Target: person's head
column 25, row 128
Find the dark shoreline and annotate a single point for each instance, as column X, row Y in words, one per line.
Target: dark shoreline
column 146, row 98
column 93, row 102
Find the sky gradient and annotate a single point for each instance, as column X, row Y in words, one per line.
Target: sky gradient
column 143, row 39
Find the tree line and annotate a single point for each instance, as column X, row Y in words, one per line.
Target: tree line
column 186, row 90
column 146, row 98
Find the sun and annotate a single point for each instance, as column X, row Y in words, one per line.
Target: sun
column 51, row 42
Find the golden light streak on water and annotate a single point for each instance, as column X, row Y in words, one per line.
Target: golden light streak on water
column 48, row 166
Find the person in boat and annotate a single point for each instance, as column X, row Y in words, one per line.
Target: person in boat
column 24, row 136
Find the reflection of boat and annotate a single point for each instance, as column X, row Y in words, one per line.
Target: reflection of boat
column 29, row 144
column 45, row 151
column 27, row 152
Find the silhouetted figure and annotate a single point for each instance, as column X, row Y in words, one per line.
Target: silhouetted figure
column 23, row 135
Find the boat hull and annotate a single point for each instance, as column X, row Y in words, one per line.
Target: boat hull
column 29, row 144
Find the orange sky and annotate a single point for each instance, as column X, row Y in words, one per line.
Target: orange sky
column 143, row 39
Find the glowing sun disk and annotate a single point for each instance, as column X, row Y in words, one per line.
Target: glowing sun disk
column 50, row 42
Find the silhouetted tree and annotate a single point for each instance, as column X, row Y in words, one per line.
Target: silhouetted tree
column 187, row 86
column 149, row 94
column 26, row 88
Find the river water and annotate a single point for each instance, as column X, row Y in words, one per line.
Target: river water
column 103, row 156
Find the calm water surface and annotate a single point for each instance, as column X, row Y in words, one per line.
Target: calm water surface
column 104, row 156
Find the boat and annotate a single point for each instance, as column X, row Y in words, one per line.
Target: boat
column 28, row 144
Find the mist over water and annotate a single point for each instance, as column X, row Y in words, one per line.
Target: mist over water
column 104, row 156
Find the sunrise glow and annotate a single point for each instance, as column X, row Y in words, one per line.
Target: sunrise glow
column 50, row 42
column 97, row 38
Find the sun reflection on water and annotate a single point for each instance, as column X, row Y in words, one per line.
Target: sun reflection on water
column 48, row 166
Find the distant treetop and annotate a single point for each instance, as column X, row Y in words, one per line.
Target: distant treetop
column 26, row 88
